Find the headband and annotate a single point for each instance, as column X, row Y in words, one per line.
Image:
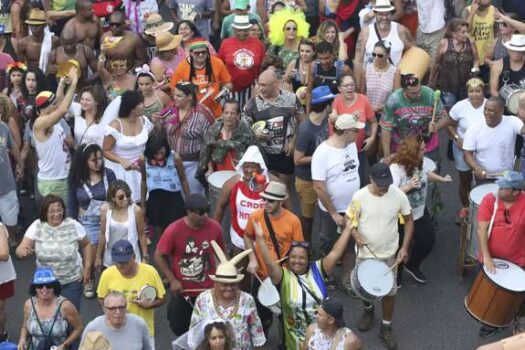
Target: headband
column 44, row 99
column 198, row 43
column 144, row 70
column 16, row 65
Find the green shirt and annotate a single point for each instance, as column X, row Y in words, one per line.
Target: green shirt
column 63, row 5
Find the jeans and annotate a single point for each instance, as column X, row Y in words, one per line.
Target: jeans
column 73, row 292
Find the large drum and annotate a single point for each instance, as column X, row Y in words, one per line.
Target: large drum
column 269, row 296
column 372, row 279
column 494, row 299
column 475, row 197
column 215, row 182
column 415, row 61
column 510, row 93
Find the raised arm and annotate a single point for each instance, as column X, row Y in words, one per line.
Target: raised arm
column 274, row 270
column 337, row 251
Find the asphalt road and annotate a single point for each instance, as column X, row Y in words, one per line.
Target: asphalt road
column 430, row 316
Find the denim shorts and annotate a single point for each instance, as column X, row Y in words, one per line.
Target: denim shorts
column 460, row 163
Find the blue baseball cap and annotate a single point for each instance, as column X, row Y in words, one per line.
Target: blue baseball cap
column 8, row 346
column 322, row 94
column 44, row 275
column 511, row 179
column 122, row 251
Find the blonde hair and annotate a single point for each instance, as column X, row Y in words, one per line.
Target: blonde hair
column 278, row 21
column 474, row 83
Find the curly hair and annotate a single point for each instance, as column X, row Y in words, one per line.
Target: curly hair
column 407, row 154
column 278, row 21
column 221, row 326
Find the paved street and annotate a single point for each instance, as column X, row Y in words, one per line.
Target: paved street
column 428, row 316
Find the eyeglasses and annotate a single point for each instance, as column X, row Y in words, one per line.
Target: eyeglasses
column 506, row 214
column 200, row 53
column 354, row 130
column 350, row 85
column 379, row 55
column 199, row 211
column 290, row 29
column 120, row 308
column 302, row 244
column 47, row 285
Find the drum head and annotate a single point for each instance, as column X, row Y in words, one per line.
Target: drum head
column 268, row 295
column 218, row 178
column 508, row 275
column 375, row 277
column 478, row 192
column 148, row 293
column 513, row 102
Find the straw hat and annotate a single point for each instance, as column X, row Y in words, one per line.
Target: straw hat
column 226, row 271
column 37, row 17
column 155, row 24
column 95, row 341
column 383, row 6
column 516, row 43
column 241, row 22
column 275, row 191
column 165, row 41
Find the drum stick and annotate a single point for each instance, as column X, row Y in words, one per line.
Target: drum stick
column 281, row 260
column 258, row 278
column 437, row 97
column 391, row 268
column 194, row 290
column 370, row 250
column 207, row 94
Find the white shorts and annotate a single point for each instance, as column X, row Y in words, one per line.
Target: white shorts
column 9, row 208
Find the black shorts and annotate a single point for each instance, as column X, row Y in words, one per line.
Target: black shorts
column 280, row 163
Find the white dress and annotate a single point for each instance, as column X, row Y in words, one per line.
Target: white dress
column 129, row 148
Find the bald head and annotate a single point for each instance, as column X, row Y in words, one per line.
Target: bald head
column 269, row 83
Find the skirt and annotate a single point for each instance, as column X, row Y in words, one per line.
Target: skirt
column 164, row 207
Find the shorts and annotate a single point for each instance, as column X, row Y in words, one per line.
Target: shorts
column 280, row 163
column 56, row 187
column 459, row 161
column 429, row 41
column 390, row 262
column 7, row 290
column 9, row 208
column 308, row 197
column 328, row 232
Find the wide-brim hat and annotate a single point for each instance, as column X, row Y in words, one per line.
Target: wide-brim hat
column 155, row 25
column 516, row 43
column 36, row 17
column 165, row 41
column 226, row 272
column 95, row 341
column 241, row 22
column 275, row 191
column 383, row 6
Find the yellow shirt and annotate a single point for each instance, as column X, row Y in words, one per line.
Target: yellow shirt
column 112, row 280
column 482, row 31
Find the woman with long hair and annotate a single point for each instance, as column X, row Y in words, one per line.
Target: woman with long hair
column 88, row 113
column 88, row 183
column 154, row 100
column 298, row 70
column 411, row 172
column 185, row 129
column 218, row 335
column 329, row 31
column 188, row 31
column 15, row 80
column 125, row 139
column 34, row 82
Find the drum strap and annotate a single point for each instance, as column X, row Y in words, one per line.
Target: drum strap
column 272, row 235
column 493, row 216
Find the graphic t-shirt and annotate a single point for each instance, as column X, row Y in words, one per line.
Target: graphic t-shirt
column 482, row 31
column 7, row 178
column 192, row 256
column 243, row 60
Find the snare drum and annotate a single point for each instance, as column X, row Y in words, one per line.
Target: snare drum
column 475, row 197
column 511, row 93
column 215, row 181
column 494, row 299
column 269, row 296
column 372, row 279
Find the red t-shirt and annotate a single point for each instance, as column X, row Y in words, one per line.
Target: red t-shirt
column 361, row 105
column 507, row 240
column 192, row 256
column 243, row 60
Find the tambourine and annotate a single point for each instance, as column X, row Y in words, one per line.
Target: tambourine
column 65, row 67
column 148, row 293
column 301, row 95
column 110, row 42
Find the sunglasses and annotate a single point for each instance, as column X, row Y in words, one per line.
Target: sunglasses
column 200, row 53
column 302, row 244
column 506, row 214
column 122, row 197
column 199, row 212
column 47, row 285
column 115, row 24
column 380, row 55
column 120, row 308
column 290, row 29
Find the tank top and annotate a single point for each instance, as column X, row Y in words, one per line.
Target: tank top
column 509, row 76
column 482, row 31
column 319, row 341
column 59, row 331
column 7, row 270
column 243, row 202
column 54, row 158
column 116, row 230
column 397, row 45
column 153, row 108
column 455, row 68
column 165, row 177
column 296, row 80
column 379, row 84
column 500, row 51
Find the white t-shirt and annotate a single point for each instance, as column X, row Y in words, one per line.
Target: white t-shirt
column 377, row 219
column 465, row 115
column 418, row 196
column 493, row 147
column 338, row 168
column 431, row 15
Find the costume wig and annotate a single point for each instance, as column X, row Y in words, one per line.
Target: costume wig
column 278, row 21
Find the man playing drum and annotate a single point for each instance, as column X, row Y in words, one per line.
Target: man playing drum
column 506, row 238
column 376, row 234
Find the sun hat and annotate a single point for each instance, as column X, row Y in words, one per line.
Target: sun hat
column 155, row 25
column 348, row 121
column 275, row 191
column 322, row 94
column 165, row 41
column 381, row 174
column 511, row 179
column 95, row 341
column 122, row 251
column 516, row 43
column 383, row 6
column 36, row 17
column 44, row 275
column 241, row 22
column 226, row 272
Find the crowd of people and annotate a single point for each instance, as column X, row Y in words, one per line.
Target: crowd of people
column 146, row 127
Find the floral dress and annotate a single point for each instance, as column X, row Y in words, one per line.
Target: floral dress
column 245, row 322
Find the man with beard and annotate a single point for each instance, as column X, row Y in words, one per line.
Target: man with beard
column 30, row 47
column 85, row 26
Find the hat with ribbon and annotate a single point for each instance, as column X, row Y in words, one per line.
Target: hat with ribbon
column 516, row 43
column 44, row 275
column 383, row 6
column 155, row 25
column 36, row 17
column 275, row 191
column 198, row 43
column 226, row 272
column 241, row 22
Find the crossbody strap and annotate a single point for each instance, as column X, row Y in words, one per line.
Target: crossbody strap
column 338, row 337
column 54, row 318
column 272, row 235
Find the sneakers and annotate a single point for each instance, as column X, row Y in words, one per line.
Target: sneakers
column 488, row 331
column 416, row 274
column 89, row 289
column 365, row 323
column 387, row 336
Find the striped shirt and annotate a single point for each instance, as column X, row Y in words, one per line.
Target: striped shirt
column 379, row 84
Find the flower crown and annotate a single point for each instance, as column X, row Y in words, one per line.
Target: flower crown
column 16, row 65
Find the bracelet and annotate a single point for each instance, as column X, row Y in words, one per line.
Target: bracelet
column 456, row 136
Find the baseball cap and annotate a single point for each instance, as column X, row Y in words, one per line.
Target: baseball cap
column 335, row 309
column 511, row 179
column 197, row 202
column 380, row 173
column 122, row 251
column 348, row 121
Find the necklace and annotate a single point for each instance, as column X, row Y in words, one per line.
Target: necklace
column 218, row 307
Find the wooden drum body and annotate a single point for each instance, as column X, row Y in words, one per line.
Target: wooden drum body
column 415, row 61
column 494, row 299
